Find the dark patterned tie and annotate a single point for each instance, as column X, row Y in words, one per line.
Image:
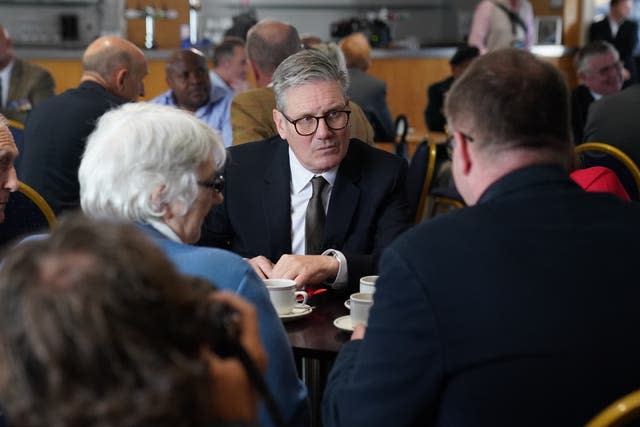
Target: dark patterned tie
column 314, row 219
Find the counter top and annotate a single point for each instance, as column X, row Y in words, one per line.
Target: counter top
column 549, row 51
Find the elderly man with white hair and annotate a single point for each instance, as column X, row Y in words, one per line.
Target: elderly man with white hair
column 159, row 167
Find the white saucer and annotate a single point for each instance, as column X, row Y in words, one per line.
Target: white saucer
column 344, row 323
column 347, row 304
column 298, row 312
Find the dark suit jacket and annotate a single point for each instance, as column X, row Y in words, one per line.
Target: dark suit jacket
column 367, row 209
column 581, row 99
column 496, row 315
column 433, row 115
column 29, row 85
column 371, row 94
column 613, row 120
column 54, row 140
column 625, row 41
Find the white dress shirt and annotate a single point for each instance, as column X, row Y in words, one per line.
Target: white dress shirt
column 301, row 192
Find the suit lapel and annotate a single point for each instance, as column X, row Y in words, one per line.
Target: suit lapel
column 345, row 197
column 276, row 200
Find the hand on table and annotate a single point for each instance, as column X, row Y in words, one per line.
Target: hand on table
column 306, row 270
column 262, row 266
column 233, row 395
column 358, row 332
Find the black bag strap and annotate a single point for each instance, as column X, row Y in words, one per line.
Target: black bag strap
column 513, row 17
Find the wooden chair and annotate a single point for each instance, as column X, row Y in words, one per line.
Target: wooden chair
column 600, row 154
column 26, row 213
column 619, row 413
column 425, row 200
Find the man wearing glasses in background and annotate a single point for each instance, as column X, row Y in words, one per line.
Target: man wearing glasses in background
column 310, row 204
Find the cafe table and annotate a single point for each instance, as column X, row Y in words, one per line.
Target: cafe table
column 316, row 342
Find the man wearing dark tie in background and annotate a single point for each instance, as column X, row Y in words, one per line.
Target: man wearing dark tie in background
column 22, row 85
column 622, row 32
column 310, row 173
column 495, row 315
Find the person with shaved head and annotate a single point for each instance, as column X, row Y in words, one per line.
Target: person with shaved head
column 56, row 130
column 190, row 89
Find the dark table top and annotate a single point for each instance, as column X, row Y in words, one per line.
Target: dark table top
column 315, row 335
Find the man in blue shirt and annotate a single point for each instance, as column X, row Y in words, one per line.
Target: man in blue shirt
column 190, row 89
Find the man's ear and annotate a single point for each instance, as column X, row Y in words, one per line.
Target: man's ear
column 121, row 76
column 462, row 153
column 281, row 123
column 254, row 70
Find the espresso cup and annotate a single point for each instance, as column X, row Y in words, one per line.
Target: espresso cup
column 360, row 305
column 368, row 284
column 284, row 296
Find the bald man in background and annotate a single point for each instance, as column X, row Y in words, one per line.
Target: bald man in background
column 23, row 85
column 270, row 42
column 56, row 130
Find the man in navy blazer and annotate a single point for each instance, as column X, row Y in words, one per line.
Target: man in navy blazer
column 516, row 310
column 268, row 185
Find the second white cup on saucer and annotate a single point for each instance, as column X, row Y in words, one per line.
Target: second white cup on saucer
column 284, row 296
column 368, row 284
column 360, row 305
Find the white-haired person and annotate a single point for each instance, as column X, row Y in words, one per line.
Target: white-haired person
column 158, row 167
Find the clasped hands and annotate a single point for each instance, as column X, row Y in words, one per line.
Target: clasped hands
column 305, row 270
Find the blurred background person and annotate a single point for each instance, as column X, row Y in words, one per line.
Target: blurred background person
column 502, row 23
column 190, row 89
column 434, row 114
column 99, row 329
column 600, row 73
column 622, row 32
column 368, row 91
column 159, row 167
column 8, row 178
column 56, row 130
column 23, row 85
column 230, row 68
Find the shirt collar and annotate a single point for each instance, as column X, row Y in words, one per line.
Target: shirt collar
column 165, row 230
column 300, row 176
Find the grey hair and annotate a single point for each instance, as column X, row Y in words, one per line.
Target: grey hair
column 142, row 158
column 304, row 67
column 334, row 52
column 595, row 48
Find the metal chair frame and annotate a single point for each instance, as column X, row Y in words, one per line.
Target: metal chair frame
column 615, row 152
column 621, row 411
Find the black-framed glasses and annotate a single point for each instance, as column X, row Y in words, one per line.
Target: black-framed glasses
column 216, row 184
column 307, row 125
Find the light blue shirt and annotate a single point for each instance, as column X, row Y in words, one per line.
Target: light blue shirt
column 230, row 272
column 217, row 81
column 216, row 112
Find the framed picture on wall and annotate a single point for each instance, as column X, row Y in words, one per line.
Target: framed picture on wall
column 548, row 30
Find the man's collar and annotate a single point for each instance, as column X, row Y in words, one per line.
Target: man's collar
column 300, row 176
column 526, row 177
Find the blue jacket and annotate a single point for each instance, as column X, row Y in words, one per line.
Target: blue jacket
column 230, row 272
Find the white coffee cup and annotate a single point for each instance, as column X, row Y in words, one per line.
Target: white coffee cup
column 368, row 284
column 360, row 305
column 284, row 296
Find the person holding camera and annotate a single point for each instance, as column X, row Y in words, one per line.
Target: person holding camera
column 158, row 167
column 100, row 329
